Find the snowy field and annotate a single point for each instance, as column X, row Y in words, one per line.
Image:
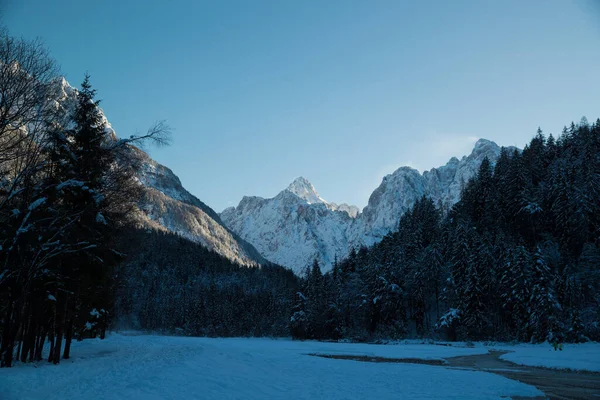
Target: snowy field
column 161, row 367
column 584, row 356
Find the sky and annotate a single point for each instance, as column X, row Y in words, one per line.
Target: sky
column 341, row 92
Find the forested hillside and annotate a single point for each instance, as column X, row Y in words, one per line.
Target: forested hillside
column 172, row 285
column 517, row 258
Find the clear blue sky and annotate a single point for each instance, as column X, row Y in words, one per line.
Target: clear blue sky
column 341, row 92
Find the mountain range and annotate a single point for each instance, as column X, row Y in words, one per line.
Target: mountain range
column 298, row 225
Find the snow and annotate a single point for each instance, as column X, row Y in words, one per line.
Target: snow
column 585, row 356
column 289, row 231
column 449, row 317
column 37, row 203
column 160, row 367
column 100, row 219
column 297, row 225
column 69, row 183
column 302, row 188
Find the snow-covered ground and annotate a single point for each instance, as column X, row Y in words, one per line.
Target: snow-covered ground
column 584, row 356
column 161, row 367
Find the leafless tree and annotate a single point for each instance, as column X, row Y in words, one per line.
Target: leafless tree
column 26, row 74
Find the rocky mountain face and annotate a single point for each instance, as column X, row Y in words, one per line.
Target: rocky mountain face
column 166, row 205
column 302, row 188
column 291, row 229
column 297, row 225
column 398, row 191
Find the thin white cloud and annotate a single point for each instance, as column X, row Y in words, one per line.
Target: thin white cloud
column 438, row 148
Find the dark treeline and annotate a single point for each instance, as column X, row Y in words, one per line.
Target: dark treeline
column 172, row 285
column 517, row 258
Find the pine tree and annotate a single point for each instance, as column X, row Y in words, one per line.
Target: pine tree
column 543, row 307
column 83, row 160
column 516, row 291
column 316, row 301
column 299, row 320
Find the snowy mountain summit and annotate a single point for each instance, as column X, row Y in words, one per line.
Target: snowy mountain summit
column 305, row 190
column 302, row 188
column 298, row 225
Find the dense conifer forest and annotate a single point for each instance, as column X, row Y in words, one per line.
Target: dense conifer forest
column 517, row 258
column 171, row 285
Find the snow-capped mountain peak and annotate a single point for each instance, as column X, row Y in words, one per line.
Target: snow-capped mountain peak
column 302, row 188
column 298, row 226
column 483, row 144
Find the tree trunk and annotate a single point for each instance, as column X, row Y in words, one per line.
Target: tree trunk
column 19, row 349
column 51, row 340
column 14, row 332
column 57, row 346
column 437, row 302
column 103, row 328
column 68, row 338
column 39, row 347
column 6, row 349
column 59, row 335
column 52, row 333
column 36, row 331
column 25, row 343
